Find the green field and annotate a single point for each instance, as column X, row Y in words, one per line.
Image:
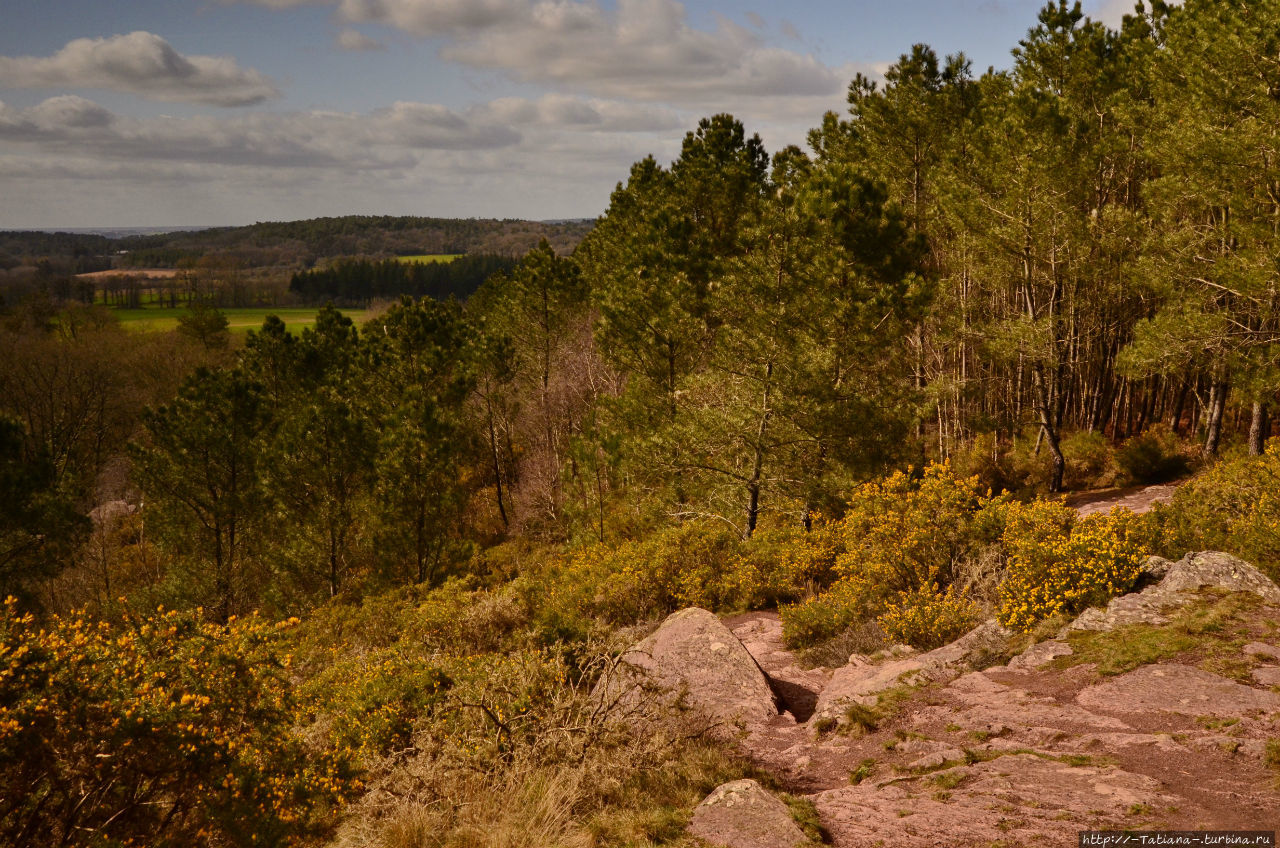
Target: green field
column 240, row 320
column 428, row 258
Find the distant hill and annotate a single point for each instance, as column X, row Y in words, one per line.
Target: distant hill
column 289, row 244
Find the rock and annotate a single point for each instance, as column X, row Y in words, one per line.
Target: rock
column 1155, row 568
column 1016, row 799
column 1261, row 649
column 937, row 759
column 1188, row 574
column 1268, row 675
column 894, row 652
column 862, row 684
column 1223, row 571
column 693, row 656
column 1040, row 654
column 741, row 814
column 988, row 705
column 1177, row 689
column 795, row 688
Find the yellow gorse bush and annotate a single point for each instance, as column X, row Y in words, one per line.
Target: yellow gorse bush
column 928, row 618
column 1233, row 506
column 1059, row 565
column 163, row 730
column 903, row 533
column 896, row 553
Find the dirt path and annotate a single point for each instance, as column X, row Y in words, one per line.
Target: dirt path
column 1136, row 498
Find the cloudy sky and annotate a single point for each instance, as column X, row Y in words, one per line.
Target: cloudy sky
column 205, row 112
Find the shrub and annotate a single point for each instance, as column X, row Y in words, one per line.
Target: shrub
column 1089, row 460
column 927, row 618
column 372, row 701
column 902, row 534
column 1234, row 506
column 166, row 730
column 1060, row 566
column 1153, row 456
column 822, row 617
column 903, row 537
column 982, row 459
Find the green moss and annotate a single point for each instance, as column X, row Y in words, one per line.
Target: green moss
column 859, row 719
column 864, row 770
column 805, row 815
column 1199, row 628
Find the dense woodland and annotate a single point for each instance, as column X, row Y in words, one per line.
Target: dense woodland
column 1059, row 275
column 358, row 282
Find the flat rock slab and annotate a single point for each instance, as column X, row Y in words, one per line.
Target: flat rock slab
column 984, row 703
column 1261, row 649
column 1019, row 798
column 1267, row 675
column 1040, row 654
column 742, row 814
column 1177, row 689
column 862, row 684
column 692, row 655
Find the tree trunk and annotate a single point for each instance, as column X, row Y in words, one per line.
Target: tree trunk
column 1258, row 428
column 1217, row 403
column 497, row 466
column 753, row 486
column 1050, row 432
column 1175, row 420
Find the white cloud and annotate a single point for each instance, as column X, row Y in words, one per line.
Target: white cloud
column 646, row 50
column 642, row 49
column 393, row 137
column 546, row 157
column 434, row 17
column 354, row 39
column 564, row 112
column 140, row 63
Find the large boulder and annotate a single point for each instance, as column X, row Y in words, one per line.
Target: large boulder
column 693, row 659
column 861, row 683
column 742, row 814
column 1192, row 572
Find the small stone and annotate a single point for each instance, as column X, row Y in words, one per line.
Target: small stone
column 937, row 759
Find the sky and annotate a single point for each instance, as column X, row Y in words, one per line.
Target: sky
column 154, row 113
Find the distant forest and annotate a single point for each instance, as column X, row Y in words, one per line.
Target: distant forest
column 293, row 244
column 357, row 282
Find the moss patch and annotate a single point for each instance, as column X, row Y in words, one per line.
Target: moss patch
column 1206, row 630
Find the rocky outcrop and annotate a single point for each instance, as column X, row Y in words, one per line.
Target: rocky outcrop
column 976, row 752
column 694, row 660
column 1192, row 572
column 862, row 683
column 742, row 814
